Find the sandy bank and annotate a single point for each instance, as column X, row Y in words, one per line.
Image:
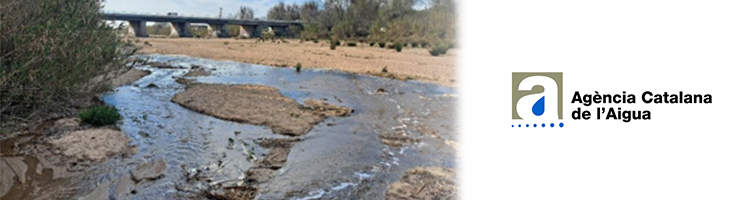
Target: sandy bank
column 411, row 63
column 258, row 105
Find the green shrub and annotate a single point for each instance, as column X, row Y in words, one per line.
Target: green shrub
column 381, row 44
column 372, row 43
column 351, row 44
column 315, row 40
column 333, row 44
column 50, row 52
column 100, row 115
column 266, row 35
column 414, row 44
column 298, row 67
column 439, row 49
column 398, row 46
column 434, row 51
column 338, row 43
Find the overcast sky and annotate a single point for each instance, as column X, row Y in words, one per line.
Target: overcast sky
column 192, row 7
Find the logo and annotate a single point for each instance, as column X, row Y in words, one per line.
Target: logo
column 537, row 96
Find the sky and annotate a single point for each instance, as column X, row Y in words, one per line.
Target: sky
column 192, row 7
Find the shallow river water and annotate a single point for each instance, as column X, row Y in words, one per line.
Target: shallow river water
column 340, row 158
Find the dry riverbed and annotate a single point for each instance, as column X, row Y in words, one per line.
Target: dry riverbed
column 411, row 63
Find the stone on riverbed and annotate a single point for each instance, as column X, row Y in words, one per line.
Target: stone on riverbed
column 10, row 168
column 150, row 171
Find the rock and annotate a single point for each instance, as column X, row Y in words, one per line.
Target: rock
column 10, row 168
column 275, row 159
column 100, row 193
column 123, row 186
column 150, row 171
column 17, row 165
column 151, row 85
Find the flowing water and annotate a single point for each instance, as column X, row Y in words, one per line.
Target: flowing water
column 340, row 158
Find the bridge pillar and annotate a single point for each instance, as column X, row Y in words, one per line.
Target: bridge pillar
column 218, row 30
column 137, row 28
column 180, row 29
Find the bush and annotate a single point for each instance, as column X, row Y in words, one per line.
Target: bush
column 351, row 44
column 438, row 50
column 315, row 40
column 381, row 44
column 100, row 115
column 414, row 44
column 226, row 43
column 398, row 46
column 333, row 44
column 425, row 44
column 298, row 67
column 267, row 35
column 372, row 43
column 50, row 52
column 338, row 43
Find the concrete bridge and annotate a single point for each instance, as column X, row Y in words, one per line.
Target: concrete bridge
column 217, row 27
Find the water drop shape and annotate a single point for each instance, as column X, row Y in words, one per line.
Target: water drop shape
column 538, row 108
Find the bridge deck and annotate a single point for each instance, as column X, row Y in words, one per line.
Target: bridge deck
column 206, row 20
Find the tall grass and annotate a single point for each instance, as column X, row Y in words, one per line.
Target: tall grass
column 50, row 50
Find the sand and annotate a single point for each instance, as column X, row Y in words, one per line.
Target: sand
column 93, row 144
column 258, row 105
column 424, row 183
column 410, row 63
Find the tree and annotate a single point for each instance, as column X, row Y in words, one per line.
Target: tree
column 310, row 13
column 245, row 13
column 284, row 11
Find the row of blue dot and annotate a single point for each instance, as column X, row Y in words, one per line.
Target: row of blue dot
column 543, row 125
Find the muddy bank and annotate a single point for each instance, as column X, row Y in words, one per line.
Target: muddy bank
column 45, row 154
column 130, row 76
column 410, row 64
column 258, row 105
column 93, row 144
column 61, row 149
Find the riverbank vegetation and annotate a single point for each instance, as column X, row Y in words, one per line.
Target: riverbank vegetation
column 50, row 53
column 395, row 21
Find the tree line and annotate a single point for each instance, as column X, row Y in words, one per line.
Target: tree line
column 371, row 20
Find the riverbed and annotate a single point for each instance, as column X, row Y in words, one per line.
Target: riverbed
column 395, row 126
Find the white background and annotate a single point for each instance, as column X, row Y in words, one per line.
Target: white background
column 686, row 151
